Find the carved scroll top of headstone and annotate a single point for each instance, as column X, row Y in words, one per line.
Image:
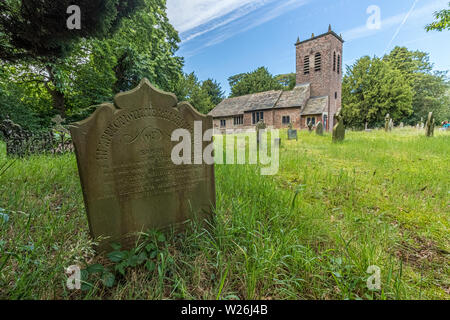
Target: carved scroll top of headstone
column 130, row 182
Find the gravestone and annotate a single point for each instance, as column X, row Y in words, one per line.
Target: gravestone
column 130, row 182
column 387, row 122
column 429, row 127
column 259, row 127
column 339, row 128
column 391, row 125
column 319, row 129
column 402, row 125
column 277, row 142
column 292, row 134
column 422, row 125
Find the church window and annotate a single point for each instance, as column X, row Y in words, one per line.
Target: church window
column 318, row 62
column 286, row 119
column 239, row 120
column 334, row 61
column 306, row 65
column 339, row 64
column 223, row 123
column 257, row 116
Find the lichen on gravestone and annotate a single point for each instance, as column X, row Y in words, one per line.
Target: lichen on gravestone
column 319, row 129
column 339, row 128
column 430, row 125
column 129, row 180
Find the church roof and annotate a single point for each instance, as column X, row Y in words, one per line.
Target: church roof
column 317, row 105
column 262, row 101
column 294, row 98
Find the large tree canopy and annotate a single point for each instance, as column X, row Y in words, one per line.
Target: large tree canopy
column 371, row 89
column 428, row 86
column 95, row 69
column 402, row 83
column 37, row 29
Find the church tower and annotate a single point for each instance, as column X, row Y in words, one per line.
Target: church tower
column 319, row 63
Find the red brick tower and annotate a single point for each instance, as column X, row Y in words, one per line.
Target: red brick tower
column 319, row 62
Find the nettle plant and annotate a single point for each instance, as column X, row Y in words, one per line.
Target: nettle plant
column 149, row 254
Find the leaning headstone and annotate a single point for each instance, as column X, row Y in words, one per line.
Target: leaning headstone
column 259, row 127
column 126, row 160
column 339, row 128
column 292, row 133
column 319, row 129
column 429, row 127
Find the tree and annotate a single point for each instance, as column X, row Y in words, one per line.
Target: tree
column 143, row 46
column 442, row 21
column 428, row 86
column 35, row 32
column 190, row 89
column 259, row 80
column 288, row 81
column 37, row 29
column 371, row 89
column 214, row 91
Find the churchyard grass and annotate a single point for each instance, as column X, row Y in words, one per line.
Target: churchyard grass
column 309, row 232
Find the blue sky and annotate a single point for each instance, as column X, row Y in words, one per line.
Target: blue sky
column 221, row 38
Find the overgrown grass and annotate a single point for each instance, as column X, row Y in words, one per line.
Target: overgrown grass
column 309, row 232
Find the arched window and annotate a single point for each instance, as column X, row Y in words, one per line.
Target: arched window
column 334, row 61
column 306, row 65
column 339, row 64
column 318, row 62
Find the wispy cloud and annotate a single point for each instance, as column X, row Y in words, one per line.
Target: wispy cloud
column 401, row 25
column 238, row 22
column 219, row 20
column 195, row 17
column 400, row 20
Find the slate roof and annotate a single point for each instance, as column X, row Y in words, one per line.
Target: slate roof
column 294, row 98
column 262, row 101
column 317, row 105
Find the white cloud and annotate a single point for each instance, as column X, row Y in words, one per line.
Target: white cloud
column 400, row 19
column 193, row 18
column 187, row 15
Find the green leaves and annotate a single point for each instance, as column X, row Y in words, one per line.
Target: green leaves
column 259, row 80
column 108, row 279
column 144, row 255
column 117, row 256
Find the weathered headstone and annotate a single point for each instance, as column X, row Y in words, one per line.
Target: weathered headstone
column 259, row 127
column 387, row 122
column 429, row 127
column 319, row 129
column 339, row 128
column 277, row 141
column 129, row 180
column 292, row 133
column 391, row 125
column 422, row 125
column 402, row 125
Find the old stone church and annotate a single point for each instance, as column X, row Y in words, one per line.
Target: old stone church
column 316, row 97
